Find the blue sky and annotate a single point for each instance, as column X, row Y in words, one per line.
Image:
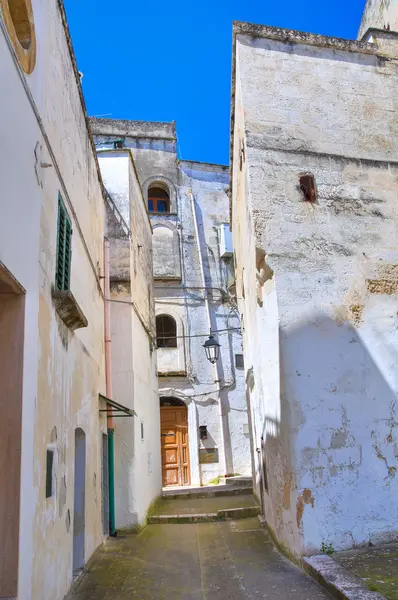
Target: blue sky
column 164, row 61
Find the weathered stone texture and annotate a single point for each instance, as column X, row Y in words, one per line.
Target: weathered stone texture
column 321, row 327
column 380, row 14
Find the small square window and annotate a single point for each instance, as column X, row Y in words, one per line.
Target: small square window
column 49, row 473
column 239, row 362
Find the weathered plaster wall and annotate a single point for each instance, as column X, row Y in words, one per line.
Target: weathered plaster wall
column 379, row 14
column 63, row 372
column 318, row 283
column 179, row 292
column 137, row 460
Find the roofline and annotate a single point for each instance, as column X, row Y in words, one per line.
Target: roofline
column 125, row 127
column 202, row 164
column 287, row 36
column 72, row 55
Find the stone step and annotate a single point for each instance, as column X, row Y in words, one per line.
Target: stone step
column 209, row 492
column 239, row 480
column 227, row 514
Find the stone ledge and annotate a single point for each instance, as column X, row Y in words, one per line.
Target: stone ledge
column 68, row 309
column 227, row 514
column 203, row 493
column 340, row 582
column 172, row 373
column 301, row 37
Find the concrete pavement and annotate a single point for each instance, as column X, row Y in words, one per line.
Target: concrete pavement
column 232, row 560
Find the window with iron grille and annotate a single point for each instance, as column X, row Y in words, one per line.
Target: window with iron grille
column 239, row 362
column 64, row 248
column 166, row 332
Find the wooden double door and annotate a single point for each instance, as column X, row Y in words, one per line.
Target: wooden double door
column 175, row 446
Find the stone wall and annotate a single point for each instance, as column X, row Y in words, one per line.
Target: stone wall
column 317, row 281
column 380, row 14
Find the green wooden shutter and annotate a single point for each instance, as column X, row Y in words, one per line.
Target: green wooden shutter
column 64, row 248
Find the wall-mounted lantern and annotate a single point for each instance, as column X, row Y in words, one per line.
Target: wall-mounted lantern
column 203, row 432
column 212, row 349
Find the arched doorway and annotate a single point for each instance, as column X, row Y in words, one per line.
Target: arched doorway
column 174, row 442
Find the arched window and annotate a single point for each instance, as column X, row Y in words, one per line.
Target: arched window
column 166, row 332
column 158, row 199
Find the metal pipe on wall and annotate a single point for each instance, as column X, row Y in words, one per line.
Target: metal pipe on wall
column 109, row 391
column 207, row 305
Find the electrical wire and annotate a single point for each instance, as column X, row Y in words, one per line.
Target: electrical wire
column 196, row 335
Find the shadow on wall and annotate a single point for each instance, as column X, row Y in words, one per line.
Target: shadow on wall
column 332, row 460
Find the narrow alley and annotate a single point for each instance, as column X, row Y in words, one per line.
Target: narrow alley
column 218, row 559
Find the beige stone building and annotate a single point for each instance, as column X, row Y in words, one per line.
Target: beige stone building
column 57, row 478
column 314, row 187
column 205, row 433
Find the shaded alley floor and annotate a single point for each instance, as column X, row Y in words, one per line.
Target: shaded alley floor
column 186, row 506
column 232, row 560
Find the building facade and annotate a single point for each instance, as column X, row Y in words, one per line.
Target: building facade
column 204, row 419
column 76, row 291
column 314, row 219
column 51, row 310
column 379, row 14
column 133, row 340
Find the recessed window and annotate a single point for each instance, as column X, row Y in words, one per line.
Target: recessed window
column 64, row 248
column 158, row 200
column 49, row 473
column 18, row 17
column 166, row 332
column 142, row 431
column 239, row 362
column 307, row 187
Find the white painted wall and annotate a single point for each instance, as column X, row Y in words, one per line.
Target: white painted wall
column 319, row 323
column 134, row 370
column 63, row 371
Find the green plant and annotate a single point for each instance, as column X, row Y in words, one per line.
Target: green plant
column 215, row 481
column 327, row 549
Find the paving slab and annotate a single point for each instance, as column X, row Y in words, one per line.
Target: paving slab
column 377, row 567
column 231, row 560
column 199, row 505
column 343, row 584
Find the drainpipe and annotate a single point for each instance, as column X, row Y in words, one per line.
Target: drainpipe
column 207, row 304
column 108, row 379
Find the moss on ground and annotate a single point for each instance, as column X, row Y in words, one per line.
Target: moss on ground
column 378, row 567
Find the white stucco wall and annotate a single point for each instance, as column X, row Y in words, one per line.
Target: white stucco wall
column 63, row 371
column 134, row 370
column 318, row 283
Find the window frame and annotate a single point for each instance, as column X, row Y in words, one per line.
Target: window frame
column 63, row 264
column 155, row 200
column 167, row 342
